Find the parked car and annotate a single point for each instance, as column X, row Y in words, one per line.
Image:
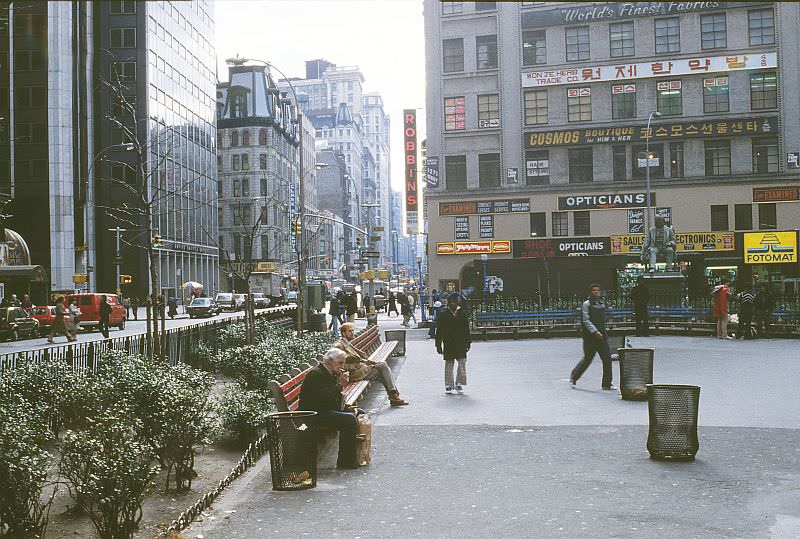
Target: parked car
column 202, row 307
column 291, row 296
column 224, row 301
column 16, row 323
column 238, row 301
column 89, row 304
column 260, row 300
column 45, row 315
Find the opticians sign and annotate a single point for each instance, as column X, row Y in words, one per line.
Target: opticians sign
column 638, row 133
column 611, row 201
column 687, row 242
column 561, row 247
column 770, row 247
column 645, row 70
column 473, row 247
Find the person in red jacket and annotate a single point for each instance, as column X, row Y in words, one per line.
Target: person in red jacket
column 720, row 295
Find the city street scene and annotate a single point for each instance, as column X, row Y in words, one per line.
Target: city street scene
column 419, row 268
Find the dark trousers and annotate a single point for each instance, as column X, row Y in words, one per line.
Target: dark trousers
column 346, row 425
column 592, row 346
column 642, row 322
column 104, row 326
column 745, row 323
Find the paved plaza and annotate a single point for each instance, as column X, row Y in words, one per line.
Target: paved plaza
column 521, row 454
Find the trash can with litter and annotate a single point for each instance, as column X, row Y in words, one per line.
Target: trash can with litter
column 292, row 450
column 372, row 319
column 673, row 412
column 635, row 372
column 398, row 335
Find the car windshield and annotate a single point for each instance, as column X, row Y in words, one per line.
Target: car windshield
column 257, row 295
column 40, row 310
column 200, row 302
column 224, row 297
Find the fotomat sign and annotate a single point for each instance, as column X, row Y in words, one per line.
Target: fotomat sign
column 410, row 150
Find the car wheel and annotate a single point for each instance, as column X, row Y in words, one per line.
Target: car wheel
column 191, row 316
column 121, row 324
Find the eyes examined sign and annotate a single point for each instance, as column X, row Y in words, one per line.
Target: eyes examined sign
column 604, row 202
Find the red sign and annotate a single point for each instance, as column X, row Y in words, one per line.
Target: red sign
column 776, row 194
column 473, row 247
column 410, row 149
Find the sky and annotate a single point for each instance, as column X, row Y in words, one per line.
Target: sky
column 384, row 38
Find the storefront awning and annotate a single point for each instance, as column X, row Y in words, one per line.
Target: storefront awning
column 31, row 273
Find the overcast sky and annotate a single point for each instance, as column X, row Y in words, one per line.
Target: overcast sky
column 382, row 37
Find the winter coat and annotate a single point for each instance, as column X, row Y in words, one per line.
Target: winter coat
column 452, row 333
column 320, row 391
column 351, row 305
column 720, row 295
column 355, row 362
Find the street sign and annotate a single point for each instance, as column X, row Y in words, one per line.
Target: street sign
column 360, row 261
column 78, row 278
column 377, row 229
column 375, row 238
column 371, row 254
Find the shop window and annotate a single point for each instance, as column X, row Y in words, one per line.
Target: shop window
column 489, row 170
column 620, row 158
column 761, row 25
column 535, row 107
column 537, row 167
column 668, row 35
column 713, row 31
column 718, row 157
column 676, row 164
column 455, row 113
column 577, row 41
column 623, row 101
column 763, row 90
column 669, row 97
column 579, row 104
column 621, row 39
column 743, row 216
column 453, row 55
column 765, row 154
column 581, row 223
column 538, row 225
column 656, row 170
column 486, row 51
column 534, row 47
column 767, row 217
column 455, row 174
column 719, row 217
column 560, row 224
column 581, row 166
column 716, row 95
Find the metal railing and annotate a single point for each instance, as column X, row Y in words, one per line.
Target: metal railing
column 179, row 342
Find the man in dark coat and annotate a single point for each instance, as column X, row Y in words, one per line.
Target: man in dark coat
column 746, row 299
column 322, row 392
column 595, row 338
column 351, row 306
column 105, row 316
column 453, row 342
column 639, row 297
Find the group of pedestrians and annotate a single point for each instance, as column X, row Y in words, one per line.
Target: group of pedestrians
column 756, row 304
column 342, row 308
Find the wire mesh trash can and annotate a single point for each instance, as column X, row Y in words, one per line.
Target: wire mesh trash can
column 292, row 450
column 615, row 342
column 398, row 335
column 673, row 412
column 372, row 319
column 635, row 372
column 317, row 322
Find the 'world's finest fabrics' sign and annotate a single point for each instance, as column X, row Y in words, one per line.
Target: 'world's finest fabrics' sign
column 645, row 70
column 604, row 202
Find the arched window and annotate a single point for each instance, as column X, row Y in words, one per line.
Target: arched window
column 234, row 138
column 245, row 138
column 262, row 137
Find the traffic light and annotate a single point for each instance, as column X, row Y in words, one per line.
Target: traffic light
column 358, row 242
column 296, row 228
column 125, row 279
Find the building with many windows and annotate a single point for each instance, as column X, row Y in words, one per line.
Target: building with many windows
column 538, row 121
column 82, row 81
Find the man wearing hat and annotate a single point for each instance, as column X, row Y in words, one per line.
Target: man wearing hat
column 453, row 343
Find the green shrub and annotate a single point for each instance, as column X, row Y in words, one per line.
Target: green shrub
column 202, row 357
column 110, row 470
column 23, row 470
column 233, row 335
column 243, row 412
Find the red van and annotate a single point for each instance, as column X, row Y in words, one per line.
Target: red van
column 89, row 304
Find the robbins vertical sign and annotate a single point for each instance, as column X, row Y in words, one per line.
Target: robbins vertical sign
column 410, row 139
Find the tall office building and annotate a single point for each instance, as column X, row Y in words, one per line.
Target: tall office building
column 538, row 115
column 83, row 80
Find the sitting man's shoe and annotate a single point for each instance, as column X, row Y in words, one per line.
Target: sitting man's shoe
column 572, row 383
column 459, row 388
column 396, row 400
column 448, row 390
column 612, row 387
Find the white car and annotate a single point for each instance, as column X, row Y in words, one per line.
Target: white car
column 291, row 296
column 260, row 301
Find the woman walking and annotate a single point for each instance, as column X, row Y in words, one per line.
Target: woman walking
column 72, row 321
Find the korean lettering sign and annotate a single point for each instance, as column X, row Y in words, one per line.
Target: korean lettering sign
column 660, row 131
column 646, row 70
column 454, row 114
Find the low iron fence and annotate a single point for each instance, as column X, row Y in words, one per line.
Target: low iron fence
column 179, row 342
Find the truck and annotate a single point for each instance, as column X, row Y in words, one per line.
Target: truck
column 269, row 284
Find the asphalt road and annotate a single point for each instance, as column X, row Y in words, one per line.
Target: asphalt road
column 521, row 454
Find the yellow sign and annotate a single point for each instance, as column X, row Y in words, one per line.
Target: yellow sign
column 383, row 274
column 687, row 242
column 368, row 275
column 79, row 278
column 265, row 267
column 770, row 247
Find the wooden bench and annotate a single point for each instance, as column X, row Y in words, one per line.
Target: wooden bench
column 286, row 390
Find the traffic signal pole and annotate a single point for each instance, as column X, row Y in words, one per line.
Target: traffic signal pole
column 118, row 260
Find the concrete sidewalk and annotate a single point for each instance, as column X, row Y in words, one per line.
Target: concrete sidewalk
column 521, row 454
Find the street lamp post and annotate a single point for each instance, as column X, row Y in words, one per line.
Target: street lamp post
column 484, row 259
column 653, row 114
column 421, row 289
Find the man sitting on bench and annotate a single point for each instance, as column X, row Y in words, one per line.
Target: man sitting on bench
column 361, row 368
column 322, row 392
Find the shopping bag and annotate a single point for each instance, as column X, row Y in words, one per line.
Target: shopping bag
column 363, row 439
